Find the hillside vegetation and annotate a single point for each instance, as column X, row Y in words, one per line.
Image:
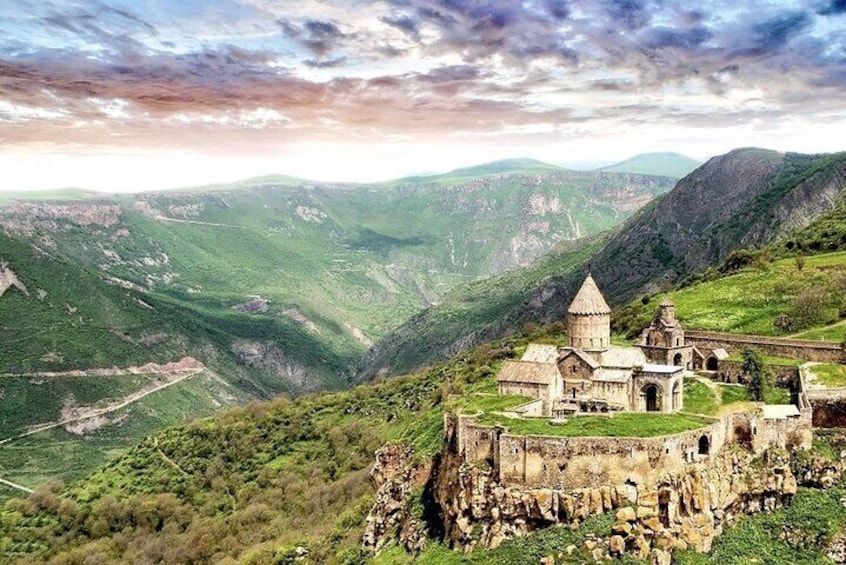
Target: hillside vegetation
column 286, row 481
column 771, row 298
column 745, row 199
column 275, row 285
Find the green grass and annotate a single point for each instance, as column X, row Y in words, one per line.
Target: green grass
column 830, row 375
column 625, row 424
column 770, row 360
column 750, row 301
column 699, row 398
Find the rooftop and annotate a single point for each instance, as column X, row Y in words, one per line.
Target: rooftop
column 540, row 353
column 528, row 372
column 589, row 300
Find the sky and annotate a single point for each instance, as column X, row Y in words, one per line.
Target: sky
column 122, row 95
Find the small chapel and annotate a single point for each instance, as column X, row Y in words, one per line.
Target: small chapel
column 591, row 375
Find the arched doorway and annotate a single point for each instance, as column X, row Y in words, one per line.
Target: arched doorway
column 711, row 364
column 704, row 445
column 677, row 359
column 652, row 398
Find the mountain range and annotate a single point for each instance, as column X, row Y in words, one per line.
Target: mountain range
column 244, row 285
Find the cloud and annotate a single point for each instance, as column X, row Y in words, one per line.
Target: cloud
column 832, row 8
column 411, row 67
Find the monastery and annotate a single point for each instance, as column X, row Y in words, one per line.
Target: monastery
column 592, row 375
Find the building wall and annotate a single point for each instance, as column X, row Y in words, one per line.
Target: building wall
column 665, row 384
column 573, row 372
column 618, row 393
column 791, row 348
column 589, row 331
column 785, row 376
column 576, row 462
column 540, row 391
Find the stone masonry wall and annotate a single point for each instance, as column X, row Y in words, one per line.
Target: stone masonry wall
column 578, row 462
column 785, row 376
column 806, row 350
column 678, row 509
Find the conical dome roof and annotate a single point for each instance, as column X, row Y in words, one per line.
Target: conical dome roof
column 589, row 300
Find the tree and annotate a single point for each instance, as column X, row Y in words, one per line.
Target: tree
column 757, row 375
column 808, row 308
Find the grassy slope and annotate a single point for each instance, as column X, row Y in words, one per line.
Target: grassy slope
column 749, row 301
column 484, row 305
column 253, row 484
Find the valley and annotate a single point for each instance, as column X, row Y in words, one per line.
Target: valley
column 103, row 298
column 273, row 285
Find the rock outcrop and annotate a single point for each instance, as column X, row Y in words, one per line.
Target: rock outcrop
column 9, row 279
column 681, row 510
column 395, row 478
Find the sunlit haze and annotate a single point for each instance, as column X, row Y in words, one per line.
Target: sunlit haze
column 125, row 95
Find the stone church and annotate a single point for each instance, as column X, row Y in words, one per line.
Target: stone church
column 592, row 375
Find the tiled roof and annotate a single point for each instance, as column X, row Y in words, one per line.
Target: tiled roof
column 622, row 357
column 720, row 353
column 589, row 300
column 541, row 353
column 528, row 372
column 662, row 369
column 591, row 362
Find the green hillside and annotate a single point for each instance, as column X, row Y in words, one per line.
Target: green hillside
column 748, row 198
column 275, row 285
column 287, row 481
column 673, row 165
column 751, row 300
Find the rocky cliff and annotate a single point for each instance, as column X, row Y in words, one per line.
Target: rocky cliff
column 681, row 510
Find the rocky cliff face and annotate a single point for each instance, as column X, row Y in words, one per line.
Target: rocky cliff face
column 681, row 510
column 395, row 478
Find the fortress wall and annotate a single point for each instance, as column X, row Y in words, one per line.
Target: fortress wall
column 475, row 442
column 807, row 350
column 578, row 462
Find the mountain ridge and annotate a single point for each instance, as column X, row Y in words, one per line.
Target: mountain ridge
column 685, row 231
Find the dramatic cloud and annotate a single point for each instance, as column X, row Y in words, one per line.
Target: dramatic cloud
column 536, row 76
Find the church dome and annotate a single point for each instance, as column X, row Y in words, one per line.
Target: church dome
column 589, row 300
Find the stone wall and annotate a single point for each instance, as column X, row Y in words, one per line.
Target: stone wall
column 578, row 462
column 806, row 350
column 680, row 509
column 829, row 408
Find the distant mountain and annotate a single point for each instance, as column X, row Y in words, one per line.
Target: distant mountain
column 504, row 166
column 746, row 198
column 674, row 165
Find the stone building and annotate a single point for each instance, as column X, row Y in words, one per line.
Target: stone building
column 590, row 374
column 663, row 341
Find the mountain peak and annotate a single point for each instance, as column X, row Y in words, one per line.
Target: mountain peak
column 664, row 164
